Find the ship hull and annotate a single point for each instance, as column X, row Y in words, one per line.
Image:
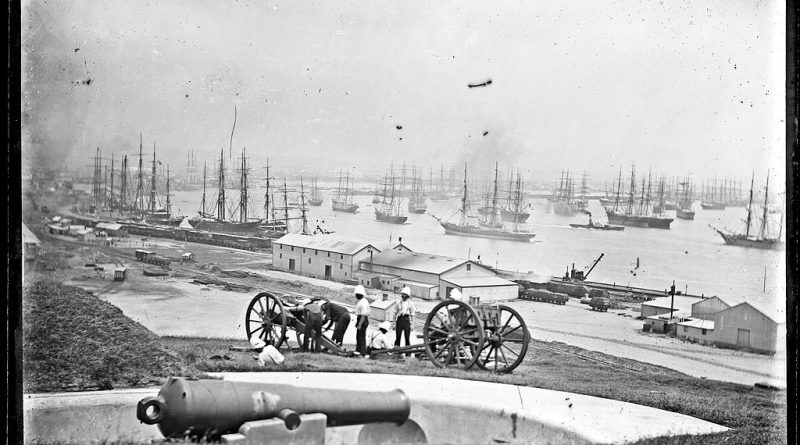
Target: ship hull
column 712, row 206
column 684, row 214
column 510, row 216
column 385, row 217
column 646, row 222
column 315, row 202
column 233, row 228
column 743, row 241
column 344, row 207
column 453, row 229
column 564, row 209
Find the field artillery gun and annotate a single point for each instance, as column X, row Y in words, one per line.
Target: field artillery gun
column 208, row 409
column 455, row 334
column 271, row 318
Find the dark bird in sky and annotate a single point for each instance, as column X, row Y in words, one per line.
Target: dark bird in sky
column 485, row 133
column 399, row 127
column 473, row 85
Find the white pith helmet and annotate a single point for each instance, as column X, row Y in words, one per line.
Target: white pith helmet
column 455, row 294
column 257, row 342
column 406, row 291
column 385, row 325
column 359, row 290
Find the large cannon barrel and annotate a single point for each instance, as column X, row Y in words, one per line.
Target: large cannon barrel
column 213, row 407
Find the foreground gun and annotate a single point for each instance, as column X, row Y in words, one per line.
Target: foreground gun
column 214, row 407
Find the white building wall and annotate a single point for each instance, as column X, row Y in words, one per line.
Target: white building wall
column 489, row 294
column 761, row 330
column 695, row 334
column 706, row 309
column 312, row 262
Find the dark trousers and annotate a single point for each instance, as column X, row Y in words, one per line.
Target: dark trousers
column 403, row 327
column 341, row 327
column 361, row 334
column 313, row 327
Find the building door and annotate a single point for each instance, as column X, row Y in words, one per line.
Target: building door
column 743, row 339
column 447, row 290
column 291, row 264
column 328, row 272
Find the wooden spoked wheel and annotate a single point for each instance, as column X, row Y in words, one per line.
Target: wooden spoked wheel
column 453, row 335
column 266, row 318
column 506, row 344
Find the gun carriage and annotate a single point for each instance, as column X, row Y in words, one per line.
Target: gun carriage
column 455, row 334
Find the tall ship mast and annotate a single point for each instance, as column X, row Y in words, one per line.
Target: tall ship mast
column 219, row 222
column 315, row 199
column 564, row 203
column 685, row 200
column 390, row 205
column 515, row 210
column 465, row 226
column 416, row 203
column 343, row 199
column 638, row 214
column 715, row 201
column 759, row 239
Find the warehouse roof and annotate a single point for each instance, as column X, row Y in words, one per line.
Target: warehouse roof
column 417, row 261
column 480, row 282
column 698, row 323
column 324, row 242
column 108, row 226
column 682, row 303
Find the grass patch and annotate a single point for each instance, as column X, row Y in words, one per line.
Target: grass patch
column 73, row 341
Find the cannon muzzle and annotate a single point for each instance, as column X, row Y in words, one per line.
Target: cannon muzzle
column 215, row 407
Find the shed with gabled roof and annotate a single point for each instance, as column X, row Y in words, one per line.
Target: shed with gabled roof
column 320, row 256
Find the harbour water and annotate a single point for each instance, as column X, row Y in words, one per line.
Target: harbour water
column 691, row 253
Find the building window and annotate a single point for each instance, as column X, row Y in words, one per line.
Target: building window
column 280, row 246
column 704, row 332
column 469, row 266
column 315, row 251
column 340, row 267
column 329, row 254
column 280, row 256
column 309, row 261
column 304, row 250
column 341, row 257
column 292, row 248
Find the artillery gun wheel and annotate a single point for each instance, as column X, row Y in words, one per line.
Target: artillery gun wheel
column 266, row 318
column 505, row 346
column 453, row 335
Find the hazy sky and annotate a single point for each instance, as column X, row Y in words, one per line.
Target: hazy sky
column 679, row 86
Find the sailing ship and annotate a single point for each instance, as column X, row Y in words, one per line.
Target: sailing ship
column 343, row 198
column 416, row 202
column 390, row 207
column 641, row 214
column 514, row 210
column 684, row 210
column 713, row 202
column 272, row 225
column 465, row 228
column 759, row 240
column 218, row 222
column 315, row 199
column 564, row 202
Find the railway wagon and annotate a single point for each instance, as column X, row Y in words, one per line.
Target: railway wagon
column 146, row 256
column 545, row 296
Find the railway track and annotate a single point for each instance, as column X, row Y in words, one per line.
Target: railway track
column 588, row 358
